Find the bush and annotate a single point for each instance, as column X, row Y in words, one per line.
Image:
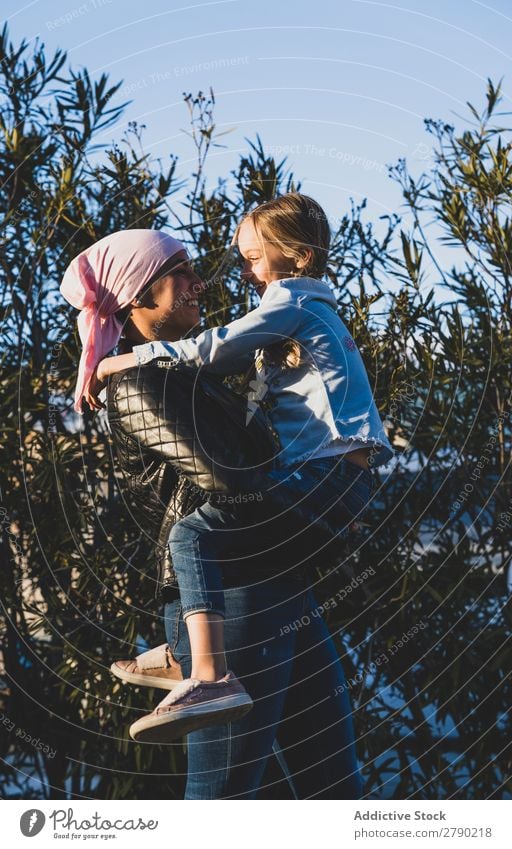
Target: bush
column 424, row 641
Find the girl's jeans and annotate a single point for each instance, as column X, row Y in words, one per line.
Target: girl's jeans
column 250, row 526
column 280, row 647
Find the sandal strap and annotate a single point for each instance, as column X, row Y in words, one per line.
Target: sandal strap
column 154, row 658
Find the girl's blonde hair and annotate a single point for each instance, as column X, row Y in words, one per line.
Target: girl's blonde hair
column 296, row 225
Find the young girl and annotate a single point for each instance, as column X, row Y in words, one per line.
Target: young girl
column 314, row 387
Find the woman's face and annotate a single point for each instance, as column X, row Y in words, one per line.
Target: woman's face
column 263, row 262
column 171, row 307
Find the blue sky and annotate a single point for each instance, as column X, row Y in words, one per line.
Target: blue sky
column 341, row 87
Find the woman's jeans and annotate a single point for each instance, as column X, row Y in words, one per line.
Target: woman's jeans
column 278, row 643
column 308, row 493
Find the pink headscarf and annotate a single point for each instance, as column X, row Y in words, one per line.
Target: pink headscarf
column 103, row 279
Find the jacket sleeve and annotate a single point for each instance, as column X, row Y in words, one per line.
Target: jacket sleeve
column 276, row 318
column 221, row 367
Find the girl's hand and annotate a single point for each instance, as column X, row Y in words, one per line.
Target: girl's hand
column 95, row 387
column 108, row 366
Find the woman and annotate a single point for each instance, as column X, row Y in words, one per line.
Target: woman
column 274, row 636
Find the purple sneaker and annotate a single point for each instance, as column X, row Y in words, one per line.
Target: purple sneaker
column 193, row 704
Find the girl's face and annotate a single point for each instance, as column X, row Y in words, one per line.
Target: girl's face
column 263, row 261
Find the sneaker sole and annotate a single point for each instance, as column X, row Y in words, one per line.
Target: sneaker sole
column 144, row 680
column 168, row 727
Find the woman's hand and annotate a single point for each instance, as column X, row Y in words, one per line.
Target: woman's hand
column 100, row 375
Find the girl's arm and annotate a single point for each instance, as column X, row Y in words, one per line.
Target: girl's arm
column 220, row 349
column 276, row 318
column 108, row 366
column 111, row 365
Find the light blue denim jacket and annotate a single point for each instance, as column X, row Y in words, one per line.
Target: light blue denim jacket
column 322, row 406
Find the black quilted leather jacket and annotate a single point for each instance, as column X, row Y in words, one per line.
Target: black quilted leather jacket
column 179, row 435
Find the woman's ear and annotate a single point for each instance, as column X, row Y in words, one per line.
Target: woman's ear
column 145, row 297
column 137, row 302
column 124, row 313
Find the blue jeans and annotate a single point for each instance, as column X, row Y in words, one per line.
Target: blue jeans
column 234, row 533
column 279, row 645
